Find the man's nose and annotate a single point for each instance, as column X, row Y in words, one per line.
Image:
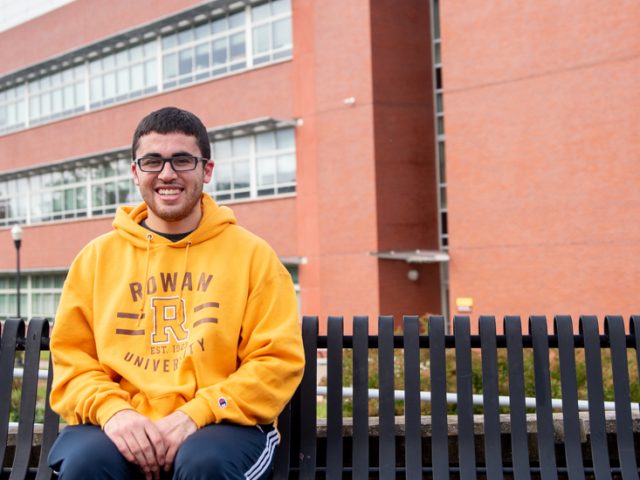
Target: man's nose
column 167, row 171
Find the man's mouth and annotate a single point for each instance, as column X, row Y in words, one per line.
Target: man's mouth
column 168, row 191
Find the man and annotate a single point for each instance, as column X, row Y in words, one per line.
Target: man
column 176, row 342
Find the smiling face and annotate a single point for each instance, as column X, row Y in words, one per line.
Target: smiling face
column 173, row 197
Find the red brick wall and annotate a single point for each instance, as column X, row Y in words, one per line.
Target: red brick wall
column 541, row 119
column 365, row 171
column 406, row 186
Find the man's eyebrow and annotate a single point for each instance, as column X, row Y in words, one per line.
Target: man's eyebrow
column 175, row 154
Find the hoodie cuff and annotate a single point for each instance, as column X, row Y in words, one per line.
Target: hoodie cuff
column 109, row 408
column 199, row 411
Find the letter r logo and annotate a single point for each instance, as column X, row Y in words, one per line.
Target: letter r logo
column 169, row 316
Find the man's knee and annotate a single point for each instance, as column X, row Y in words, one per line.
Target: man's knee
column 84, row 451
column 226, row 452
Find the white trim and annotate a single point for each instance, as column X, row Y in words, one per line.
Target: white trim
column 414, row 256
column 266, row 457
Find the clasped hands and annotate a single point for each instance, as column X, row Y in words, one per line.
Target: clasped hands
column 150, row 445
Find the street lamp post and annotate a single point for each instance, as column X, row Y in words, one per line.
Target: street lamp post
column 16, row 234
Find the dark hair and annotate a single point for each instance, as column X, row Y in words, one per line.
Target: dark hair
column 173, row 120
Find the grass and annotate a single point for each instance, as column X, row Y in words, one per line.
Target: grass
column 476, row 380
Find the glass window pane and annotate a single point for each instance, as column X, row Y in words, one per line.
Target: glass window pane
column 110, row 194
column 265, row 142
column 261, row 39
column 202, row 31
column 123, row 191
column 219, row 25
column 266, row 171
column 137, row 77
column 69, row 97
column 81, row 197
column 185, row 36
column 170, row 41
column 236, row 20
column 150, row 76
column 241, row 146
column 222, row 177
column 79, row 90
column 186, row 61
column 170, row 67
column 136, row 53
column 34, row 107
column 286, row 169
column 237, row 46
column 260, row 12
column 202, row 57
column 123, row 81
column 57, row 201
column 95, row 67
column 282, row 33
column 222, row 149
column 219, row 51
column 150, row 48
column 109, row 85
column 285, row 138
column 69, row 199
column 280, row 6
column 241, row 175
column 109, row 62
column 122, row 58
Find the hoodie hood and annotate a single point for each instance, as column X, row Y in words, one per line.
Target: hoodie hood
column 214, row 220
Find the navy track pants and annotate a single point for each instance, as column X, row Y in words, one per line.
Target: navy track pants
column 217, row 451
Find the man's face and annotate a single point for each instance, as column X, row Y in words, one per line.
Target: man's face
column 173, row 197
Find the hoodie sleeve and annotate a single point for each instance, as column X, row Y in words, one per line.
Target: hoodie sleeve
column 82, row 391
column 271, row 361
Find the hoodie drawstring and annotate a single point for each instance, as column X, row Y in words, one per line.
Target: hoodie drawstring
column 149, row 237
column 184, row 269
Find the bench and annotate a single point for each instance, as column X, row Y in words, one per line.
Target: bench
column 430, row 418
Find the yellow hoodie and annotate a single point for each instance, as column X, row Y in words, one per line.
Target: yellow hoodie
column 207, row 325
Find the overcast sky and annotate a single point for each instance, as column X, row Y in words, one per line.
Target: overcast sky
column 15, row 12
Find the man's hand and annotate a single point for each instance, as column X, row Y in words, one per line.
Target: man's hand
column 174, row 428
column 139, row 440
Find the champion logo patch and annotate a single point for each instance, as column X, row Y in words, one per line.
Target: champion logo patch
column 222, row 402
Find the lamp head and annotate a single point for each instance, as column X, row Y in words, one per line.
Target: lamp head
column 16, row 233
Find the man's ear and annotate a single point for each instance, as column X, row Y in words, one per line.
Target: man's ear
column 208, row 171
column 134, row 172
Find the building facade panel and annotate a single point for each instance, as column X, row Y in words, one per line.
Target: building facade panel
column 541, row 161
column 322, row 151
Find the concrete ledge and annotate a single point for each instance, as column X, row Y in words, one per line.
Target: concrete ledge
column 452, row 423
column 478, row 425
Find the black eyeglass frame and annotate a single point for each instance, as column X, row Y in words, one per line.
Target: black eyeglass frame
column 170, row 161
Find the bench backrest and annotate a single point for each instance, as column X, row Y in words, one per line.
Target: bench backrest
column 33, row 340
column 490, row 439
column 463, row 439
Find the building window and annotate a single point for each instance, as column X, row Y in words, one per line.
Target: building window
column 440, row 137
column 13, row 109
column 207, row 50
column 76, row 190
column 239, row 40
column 126, row 74
column 271, row 31
column 58, row 95
column 253, row 166
column 39, row 295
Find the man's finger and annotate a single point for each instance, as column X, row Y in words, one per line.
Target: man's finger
column 157, row 443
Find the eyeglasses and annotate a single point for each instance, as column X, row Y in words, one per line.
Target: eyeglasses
column 179, row 163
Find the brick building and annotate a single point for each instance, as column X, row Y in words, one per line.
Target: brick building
column 323, row 137
column 329, row 123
